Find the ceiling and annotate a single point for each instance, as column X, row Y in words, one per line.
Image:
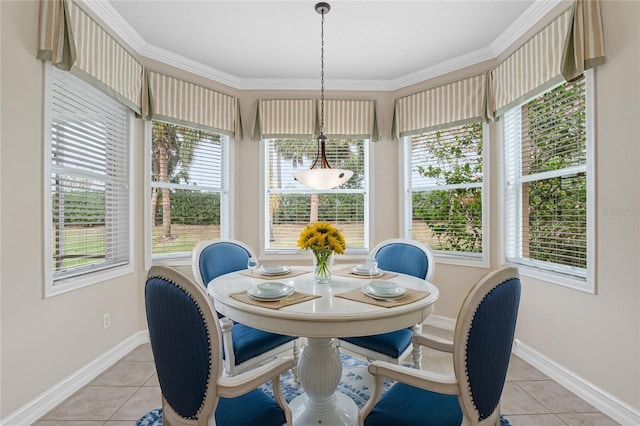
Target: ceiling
column 368, row 44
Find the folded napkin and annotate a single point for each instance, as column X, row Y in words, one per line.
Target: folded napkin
column 257, row 274
column 410, row 296
column 348, row 272
column 296, row 297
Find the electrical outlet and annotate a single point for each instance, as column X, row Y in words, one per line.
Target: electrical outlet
column 106, row 321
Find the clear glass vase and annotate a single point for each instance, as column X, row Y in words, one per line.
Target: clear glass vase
column 322, row 262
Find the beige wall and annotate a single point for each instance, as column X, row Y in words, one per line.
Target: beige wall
column 598, row 336
column 44, row 341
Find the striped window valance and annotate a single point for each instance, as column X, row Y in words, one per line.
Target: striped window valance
column 192, row 105
column 534, row 66
column 55, row 43
column 350, row 119
column 284, row 118
column 72, row 40
column 560, row 51
column 585, row 41
column 451, row 103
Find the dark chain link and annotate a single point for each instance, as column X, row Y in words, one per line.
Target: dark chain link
column 322, row 74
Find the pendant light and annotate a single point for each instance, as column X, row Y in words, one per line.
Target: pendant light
column 320, row 175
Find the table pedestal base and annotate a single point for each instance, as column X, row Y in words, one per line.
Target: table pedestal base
column 343, row 412
column 320, row 371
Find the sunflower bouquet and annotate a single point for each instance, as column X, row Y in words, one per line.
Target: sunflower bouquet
column 323, row 239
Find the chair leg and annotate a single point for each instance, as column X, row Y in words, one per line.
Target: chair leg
column 227, row 342
column 417, row 349
column 296, row 353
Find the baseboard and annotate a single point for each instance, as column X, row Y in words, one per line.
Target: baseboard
column 438, row 321
column 45, row 402
column 608, row 404
column 618, row 410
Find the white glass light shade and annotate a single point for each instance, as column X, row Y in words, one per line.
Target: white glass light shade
column 322, row 178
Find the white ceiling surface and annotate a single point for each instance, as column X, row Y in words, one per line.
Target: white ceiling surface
column 369, row 45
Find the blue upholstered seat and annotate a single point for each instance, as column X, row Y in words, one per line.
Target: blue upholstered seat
column 251, row 409
column 249, row 342
column 481, row 350
column 391, row 344
column 406, row 257
column 244, row 347
column 185, row 338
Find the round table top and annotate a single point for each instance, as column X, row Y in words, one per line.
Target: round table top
column 326, row 316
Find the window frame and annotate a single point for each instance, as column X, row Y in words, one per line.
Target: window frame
column 94, row 275
column 559, row 276
column 294, row 254
column 449, row 257
column 226, row 199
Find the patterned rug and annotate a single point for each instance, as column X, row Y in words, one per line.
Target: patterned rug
column 356, row 383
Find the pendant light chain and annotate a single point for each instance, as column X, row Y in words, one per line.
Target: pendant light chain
column 320, row 176
column 322, row 73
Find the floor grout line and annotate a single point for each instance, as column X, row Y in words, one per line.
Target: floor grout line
column 518, row 419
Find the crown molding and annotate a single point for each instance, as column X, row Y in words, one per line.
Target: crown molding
column 450, row 65
column 166, row 57
column 538, row 10
column 114, row 21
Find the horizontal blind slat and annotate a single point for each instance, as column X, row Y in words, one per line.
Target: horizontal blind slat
column 89, row 181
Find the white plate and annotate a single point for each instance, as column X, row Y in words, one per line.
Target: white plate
column 377, row 273
column 280, row 291
column 382, row 286
column 273, row 288
column 395, row 294
column 274, row 270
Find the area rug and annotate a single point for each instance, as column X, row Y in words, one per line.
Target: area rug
column 356, row 383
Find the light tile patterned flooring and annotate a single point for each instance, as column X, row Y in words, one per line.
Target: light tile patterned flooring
column 129, row 389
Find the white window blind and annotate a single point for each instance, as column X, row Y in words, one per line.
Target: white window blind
column 444, row 189
column 546, row 160
column 89, row 191
column 189, row 188
column 290, row 206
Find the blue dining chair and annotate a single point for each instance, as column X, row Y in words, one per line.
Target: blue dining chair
column 407, row 257
column 186, row 343
column 481, row 349
column 244, row 347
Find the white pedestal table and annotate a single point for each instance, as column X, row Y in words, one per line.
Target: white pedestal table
column 321, row 320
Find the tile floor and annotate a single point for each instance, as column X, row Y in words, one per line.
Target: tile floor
column 126, row 391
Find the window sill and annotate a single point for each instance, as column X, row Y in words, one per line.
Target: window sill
column 555, row 278
column 479, row 261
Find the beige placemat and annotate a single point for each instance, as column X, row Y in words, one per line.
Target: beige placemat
column 348, row 272
column 257, row 274
column 410, row 296
column 296, row 297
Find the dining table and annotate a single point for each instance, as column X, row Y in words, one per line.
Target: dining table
column 321, row 313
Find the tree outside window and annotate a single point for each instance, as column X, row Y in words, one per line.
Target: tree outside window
column 188, row 187
column 445, row 183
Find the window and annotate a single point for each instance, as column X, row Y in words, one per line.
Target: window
column 547, row 202
column 444, row 190
column 87, row 197
column 290, row 206
column 189, row 193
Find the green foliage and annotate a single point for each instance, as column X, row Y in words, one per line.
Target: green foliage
column 192, row 208
column 557, row 212
column 557, row 220
column 454, row 216
column 79, row 207
column 295, row 208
